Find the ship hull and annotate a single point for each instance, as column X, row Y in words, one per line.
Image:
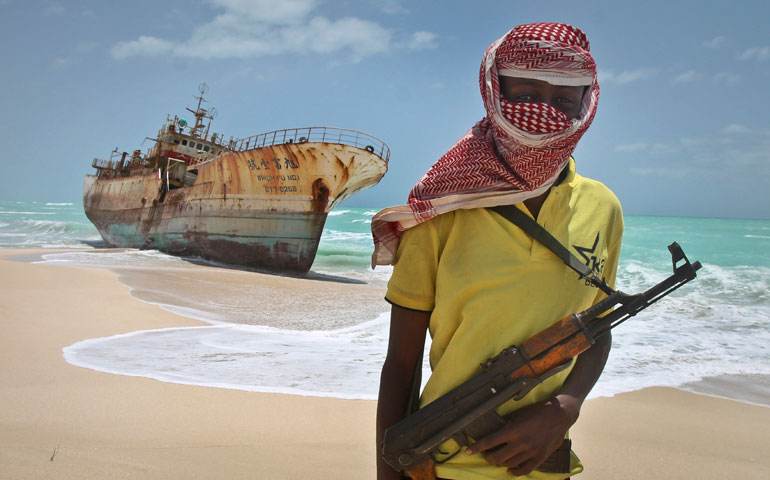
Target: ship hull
column 282, row 242
column 263, row 208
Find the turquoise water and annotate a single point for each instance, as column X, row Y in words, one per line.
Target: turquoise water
column 45, row 224
column 346, row 243
column 717, row 325
column 723, row 242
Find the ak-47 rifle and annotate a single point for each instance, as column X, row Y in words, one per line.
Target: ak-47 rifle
column 468, row 412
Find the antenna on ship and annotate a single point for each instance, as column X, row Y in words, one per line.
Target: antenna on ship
column 202, row 113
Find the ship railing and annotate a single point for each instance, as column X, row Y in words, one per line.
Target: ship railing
column 103, row 164
column 314, row 134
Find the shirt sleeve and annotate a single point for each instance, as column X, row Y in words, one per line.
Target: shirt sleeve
column 413, row 282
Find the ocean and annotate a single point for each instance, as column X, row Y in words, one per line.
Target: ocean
column 711, row 336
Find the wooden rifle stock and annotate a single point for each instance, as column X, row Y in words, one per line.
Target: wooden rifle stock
column 468, row 412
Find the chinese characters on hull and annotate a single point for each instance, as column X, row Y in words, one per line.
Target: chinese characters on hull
column 286, row 164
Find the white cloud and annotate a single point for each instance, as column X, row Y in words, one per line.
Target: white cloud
column 728, row 79
column 648, row 148
column 741, row 150
column 285, row 12
column 664, row 171
column 687, row 77
column 143, row 46
column 63, row 62
column 609, row 77
column 735, row 128
column 631, row 147
column 760, row 54
column 254, row 28
column 422, row 41
column 716, row 42
column 390, row 7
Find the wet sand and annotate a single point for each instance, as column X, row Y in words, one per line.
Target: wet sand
column 62, row 421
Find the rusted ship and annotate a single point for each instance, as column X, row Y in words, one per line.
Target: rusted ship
column 259, row 201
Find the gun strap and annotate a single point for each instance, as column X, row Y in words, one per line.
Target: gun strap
column 414, row 395
column 536, row 231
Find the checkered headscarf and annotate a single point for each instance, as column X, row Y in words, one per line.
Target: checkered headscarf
column 518, row 150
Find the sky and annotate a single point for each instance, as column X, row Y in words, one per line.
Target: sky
column 681, row 128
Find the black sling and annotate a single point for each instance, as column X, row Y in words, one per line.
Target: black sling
column 534, row 229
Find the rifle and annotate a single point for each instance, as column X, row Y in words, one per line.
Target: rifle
column 468, row 412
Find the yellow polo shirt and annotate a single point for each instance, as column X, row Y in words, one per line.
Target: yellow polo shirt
column 490, row 285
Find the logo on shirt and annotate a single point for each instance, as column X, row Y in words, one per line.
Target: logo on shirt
column 591, row 260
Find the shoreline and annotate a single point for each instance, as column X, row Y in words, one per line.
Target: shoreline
column 319, row 297
column 62, row 421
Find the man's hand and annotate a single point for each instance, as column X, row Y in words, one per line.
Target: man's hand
column 530, row 435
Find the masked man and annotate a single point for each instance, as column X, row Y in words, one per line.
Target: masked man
column 478, row 282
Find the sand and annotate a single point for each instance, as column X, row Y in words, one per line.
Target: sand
column 59, row 421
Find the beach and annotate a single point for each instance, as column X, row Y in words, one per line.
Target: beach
column 63, row 421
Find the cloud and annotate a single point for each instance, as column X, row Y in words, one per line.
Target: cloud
column 632, row 147
column 609, row 77
column 390, row 7
column 727, row 79
column 254, row 28
column 144, row 46
column 63, row 62
column 649, row 148
column 284, row 12
column 422, row 41
column 740, row 150
column 687, row 77
column 666, row 171
column 735, row 128
column 716, row 42
column 760, row 54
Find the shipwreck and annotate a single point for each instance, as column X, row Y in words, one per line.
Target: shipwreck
column 259, row 202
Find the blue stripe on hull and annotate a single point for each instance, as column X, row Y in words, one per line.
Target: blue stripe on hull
column 283, row 243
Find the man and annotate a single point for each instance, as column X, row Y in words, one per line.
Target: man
column 477, row 281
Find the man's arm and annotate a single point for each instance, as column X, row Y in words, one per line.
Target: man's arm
column 533, row 432
column 405, row 346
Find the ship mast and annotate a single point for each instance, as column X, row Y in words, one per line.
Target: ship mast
column 201, row 114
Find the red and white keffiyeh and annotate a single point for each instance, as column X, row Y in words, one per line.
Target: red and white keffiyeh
column 518, row 150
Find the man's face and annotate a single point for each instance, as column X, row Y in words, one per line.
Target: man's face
column 524, row 90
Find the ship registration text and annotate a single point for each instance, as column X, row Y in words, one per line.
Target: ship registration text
column 281, row 189
column 287, row 163
column 279, row 178
column 282, row 178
